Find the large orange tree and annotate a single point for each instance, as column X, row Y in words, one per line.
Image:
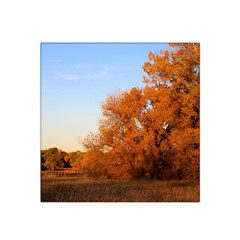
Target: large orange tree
column 172, row 87
column 154, row 131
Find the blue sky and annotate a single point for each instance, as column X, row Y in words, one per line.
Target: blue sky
column 76, row 78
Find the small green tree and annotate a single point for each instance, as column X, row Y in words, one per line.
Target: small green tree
column 52, row 159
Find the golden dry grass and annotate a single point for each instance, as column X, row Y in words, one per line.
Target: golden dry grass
column 84, row 189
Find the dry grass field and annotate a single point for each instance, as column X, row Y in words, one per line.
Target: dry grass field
column 84, row 189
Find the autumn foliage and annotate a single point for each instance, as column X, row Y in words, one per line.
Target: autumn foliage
column 154, row 131
column 55, row 159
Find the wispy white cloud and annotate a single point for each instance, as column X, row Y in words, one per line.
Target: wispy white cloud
column 65, row 76
column 54, row 61
column 83, row 65
column 99, row 74
column 73, row 77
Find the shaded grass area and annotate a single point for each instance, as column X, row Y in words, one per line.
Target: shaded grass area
column 77, row 189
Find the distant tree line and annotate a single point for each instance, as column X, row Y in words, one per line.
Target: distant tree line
column 55, row 159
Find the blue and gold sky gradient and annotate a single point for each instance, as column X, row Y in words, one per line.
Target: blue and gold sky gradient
column 76, row 78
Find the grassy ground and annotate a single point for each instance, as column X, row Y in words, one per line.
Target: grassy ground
column 83, row 189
